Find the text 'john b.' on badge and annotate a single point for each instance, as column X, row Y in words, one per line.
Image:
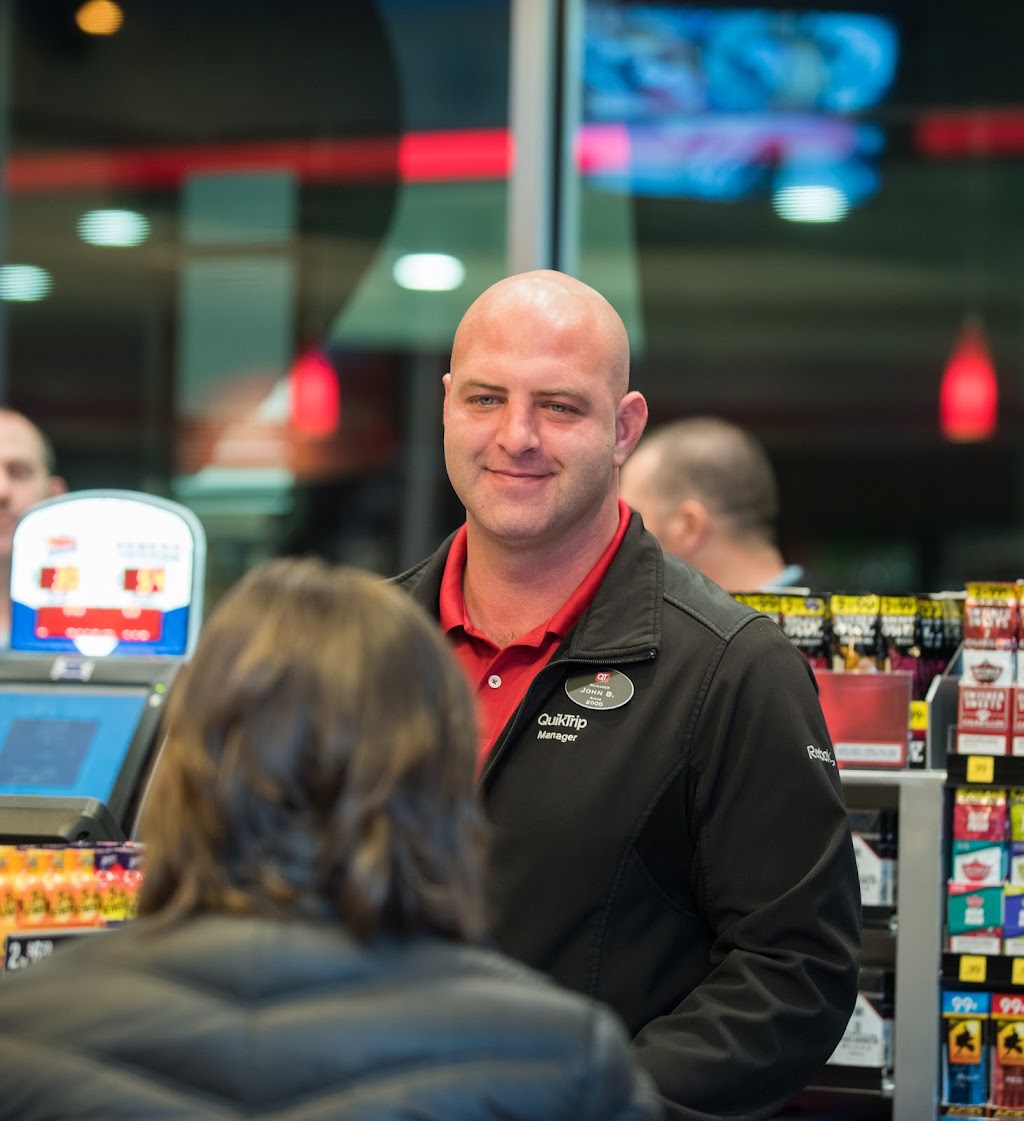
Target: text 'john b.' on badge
column 603, row 688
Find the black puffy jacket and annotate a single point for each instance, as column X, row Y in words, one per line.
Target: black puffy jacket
column 223, row 1017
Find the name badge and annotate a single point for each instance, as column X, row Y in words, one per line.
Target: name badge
column 603, row 689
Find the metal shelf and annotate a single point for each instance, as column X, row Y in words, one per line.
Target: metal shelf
column 919, row 799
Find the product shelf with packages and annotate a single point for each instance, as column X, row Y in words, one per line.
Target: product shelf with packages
column 972, row 728
column 982, row 1037
column 106, row 605
column 52, row 893
column 876, row 660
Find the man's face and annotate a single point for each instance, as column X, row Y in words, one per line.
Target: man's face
column 531, row 433
column 24, row 478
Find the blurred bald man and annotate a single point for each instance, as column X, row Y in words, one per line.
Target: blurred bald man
column 706, row 489
column 28, row 474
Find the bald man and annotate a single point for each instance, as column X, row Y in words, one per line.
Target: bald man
column 664, row 838
column 28, row 474
column 706, row 489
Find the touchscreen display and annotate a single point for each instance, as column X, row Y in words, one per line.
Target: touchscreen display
column 66, row 743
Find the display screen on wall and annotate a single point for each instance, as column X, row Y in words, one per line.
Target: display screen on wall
column 725, row 103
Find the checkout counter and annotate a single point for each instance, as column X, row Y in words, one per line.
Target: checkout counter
column 106, row 605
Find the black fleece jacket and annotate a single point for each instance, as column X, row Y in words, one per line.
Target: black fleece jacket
column 683, row 854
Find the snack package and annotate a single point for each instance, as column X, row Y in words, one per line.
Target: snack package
column 856, row 637
column 979, row 814
column 965, row 1047
column 1007, row 1058
column 805, row 622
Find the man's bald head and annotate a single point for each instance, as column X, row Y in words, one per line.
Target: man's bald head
column 563, row 304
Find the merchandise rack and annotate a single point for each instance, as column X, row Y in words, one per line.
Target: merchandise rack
column 910, row 936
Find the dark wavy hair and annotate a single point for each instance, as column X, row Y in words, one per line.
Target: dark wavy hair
column 318, row 761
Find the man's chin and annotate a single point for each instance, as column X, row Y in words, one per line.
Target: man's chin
column 519, row 532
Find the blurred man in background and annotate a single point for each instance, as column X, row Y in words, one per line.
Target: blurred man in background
column 706, row 489
column 28, row 474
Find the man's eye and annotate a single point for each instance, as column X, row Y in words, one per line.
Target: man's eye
column 561, row 408
column 483, row 399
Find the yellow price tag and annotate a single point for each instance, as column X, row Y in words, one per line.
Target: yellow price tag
column 973, row 969
column 981, row 768
column 919, row 716
column 1017, row 972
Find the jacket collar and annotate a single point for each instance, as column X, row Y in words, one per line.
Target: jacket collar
column 622, row 621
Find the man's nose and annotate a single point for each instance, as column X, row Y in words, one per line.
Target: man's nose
column 518, row 432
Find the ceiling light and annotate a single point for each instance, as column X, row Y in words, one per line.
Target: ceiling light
column 24, row 282
column 113, row 227
column 99, row 17
column 810, row 204
column 429, row 272
column 969, row 392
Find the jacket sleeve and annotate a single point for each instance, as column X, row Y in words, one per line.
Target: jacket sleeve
column 776, row 882
column 613, row 1086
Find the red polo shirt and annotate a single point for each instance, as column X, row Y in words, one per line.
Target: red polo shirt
column 499, row 676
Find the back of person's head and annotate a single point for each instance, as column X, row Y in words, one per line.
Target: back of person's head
column 318, row 762
column 721, row 465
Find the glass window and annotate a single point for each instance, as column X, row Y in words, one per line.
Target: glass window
column 803, row 210
column 237, row 239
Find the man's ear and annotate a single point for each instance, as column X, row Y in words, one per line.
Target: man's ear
column 687, row 528
column 630, row 421
column 57, row 486
column 446, row 381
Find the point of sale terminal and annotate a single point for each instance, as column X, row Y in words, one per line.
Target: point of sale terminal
column 106, row 605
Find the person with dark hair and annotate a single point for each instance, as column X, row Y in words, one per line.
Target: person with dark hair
column 706, row 489
column 308, row 940
column 669, row 829
column 28, row 474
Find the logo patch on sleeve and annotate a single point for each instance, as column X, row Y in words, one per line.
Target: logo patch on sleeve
column 820, row 754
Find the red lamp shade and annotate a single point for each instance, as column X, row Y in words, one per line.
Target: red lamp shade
column 314, row 395
column 969, row 393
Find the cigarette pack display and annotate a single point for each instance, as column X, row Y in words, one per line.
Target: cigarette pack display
column 991, row 613
column 979, row 863
column 768, row 603
column 1017, row 719
column 988, row 667
column 1015, row 864
column 874, row 845
column 805, row 621
column 985, row 695
column 856, row 632
column 974, row 919
column 979, row 814
column 1007, row 1046
column 867, row 1041
column 965, row 1047
column 983, row 717
column 1015, row 804
column 1013, row 920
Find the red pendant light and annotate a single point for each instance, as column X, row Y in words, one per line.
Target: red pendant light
column 314, row 395
column 969, row 393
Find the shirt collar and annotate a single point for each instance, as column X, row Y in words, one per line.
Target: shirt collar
column 452, row 606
